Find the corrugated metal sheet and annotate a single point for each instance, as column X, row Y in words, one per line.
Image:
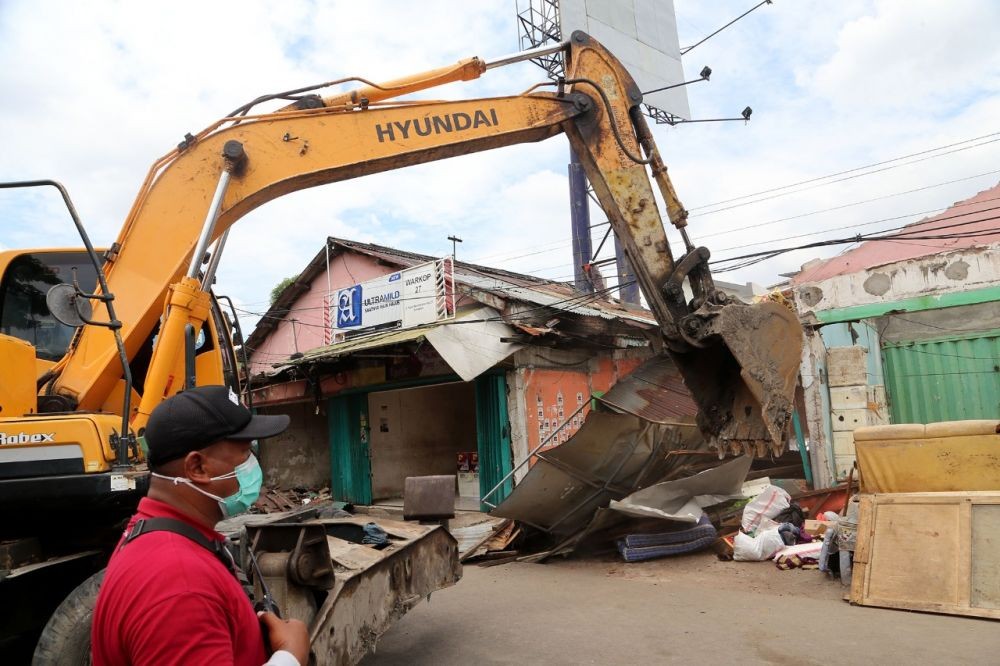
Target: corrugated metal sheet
column 395, row 336
column 373, row 341
column 603, row 461
column 558, row 296
column 654, row 391
column 510, row 285
column 948, row 379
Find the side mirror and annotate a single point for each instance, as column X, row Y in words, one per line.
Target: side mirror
column 68, row 305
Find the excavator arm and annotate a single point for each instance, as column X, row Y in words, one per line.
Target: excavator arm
column 739, row 361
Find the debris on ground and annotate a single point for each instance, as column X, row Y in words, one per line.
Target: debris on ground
column 641, row 547
column 274, row 500
column 800, row 556
column 490, row 540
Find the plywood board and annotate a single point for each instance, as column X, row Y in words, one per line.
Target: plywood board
column 926, row 538
column 934, row 552
column 914, row 458
column 986, row 556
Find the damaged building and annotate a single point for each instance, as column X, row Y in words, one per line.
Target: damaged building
column 904, row 331
column 492, row 366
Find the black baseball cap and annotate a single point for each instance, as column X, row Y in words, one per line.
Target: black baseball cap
column 201, row 416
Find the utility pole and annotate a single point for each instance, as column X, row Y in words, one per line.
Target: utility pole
column 579, row 215
column 454, row 240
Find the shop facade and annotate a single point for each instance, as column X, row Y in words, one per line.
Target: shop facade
column 512, row 363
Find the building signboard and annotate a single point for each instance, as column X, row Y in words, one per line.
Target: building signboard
column 412, row 297
column 643, row 35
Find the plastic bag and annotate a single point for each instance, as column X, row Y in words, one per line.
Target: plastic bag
column 772, row 501
column 758, row 548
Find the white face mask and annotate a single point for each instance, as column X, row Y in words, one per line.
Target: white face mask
column 250, row 477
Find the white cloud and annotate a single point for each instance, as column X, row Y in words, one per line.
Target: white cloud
column 93, row 97
column 913, row 54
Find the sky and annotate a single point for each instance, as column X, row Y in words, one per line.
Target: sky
column 91, row 98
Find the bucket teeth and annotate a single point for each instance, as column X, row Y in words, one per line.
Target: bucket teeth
column 744, row 383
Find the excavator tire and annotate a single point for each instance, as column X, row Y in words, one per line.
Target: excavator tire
column 65, row 641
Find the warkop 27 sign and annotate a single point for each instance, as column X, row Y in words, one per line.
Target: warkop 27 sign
column 408, row 298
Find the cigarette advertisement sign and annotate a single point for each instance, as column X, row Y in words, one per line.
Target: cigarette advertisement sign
column 408, row 298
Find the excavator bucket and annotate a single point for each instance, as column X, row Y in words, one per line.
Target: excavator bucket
column 744, row 380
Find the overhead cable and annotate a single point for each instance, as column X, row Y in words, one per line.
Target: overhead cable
column 853, row 170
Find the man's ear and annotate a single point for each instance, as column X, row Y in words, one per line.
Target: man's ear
column 196, row 467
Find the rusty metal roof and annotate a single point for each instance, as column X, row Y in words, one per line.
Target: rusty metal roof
column 510, row 285
column 653, row 392
column 977, row 217
column 503, row 284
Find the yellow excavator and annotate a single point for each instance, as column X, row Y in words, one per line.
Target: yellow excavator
column 92, row 344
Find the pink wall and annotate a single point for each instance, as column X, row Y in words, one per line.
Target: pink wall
column 346, row 269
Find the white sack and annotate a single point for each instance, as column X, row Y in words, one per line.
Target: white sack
column 759, row 548
column 772, row 501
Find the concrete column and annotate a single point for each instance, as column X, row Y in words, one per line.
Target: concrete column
column 817, row 399
column 517, row 414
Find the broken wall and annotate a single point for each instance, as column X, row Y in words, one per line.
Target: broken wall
column 948, row 272
column 549, row 386
column 300, row 456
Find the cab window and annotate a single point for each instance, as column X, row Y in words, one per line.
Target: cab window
column 23, row 312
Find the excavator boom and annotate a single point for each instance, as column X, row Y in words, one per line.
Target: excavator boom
column 738, row 360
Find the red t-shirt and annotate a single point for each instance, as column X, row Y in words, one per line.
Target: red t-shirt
column 167, row 600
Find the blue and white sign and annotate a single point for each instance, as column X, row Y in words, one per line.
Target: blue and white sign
column 349, row 307
column 406, row 298
column 371, row 303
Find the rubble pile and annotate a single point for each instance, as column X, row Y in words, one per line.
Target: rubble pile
column 274, row 500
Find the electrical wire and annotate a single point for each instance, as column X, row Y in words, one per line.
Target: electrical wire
column 843, row 206
column 944, row 374
column 847, row 171
column 549, row 247
column 757, row 257
column 880, row 221
column 933, row 353
column 901, row 237
column 940, row 328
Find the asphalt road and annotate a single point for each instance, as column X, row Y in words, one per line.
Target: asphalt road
column 696, row 611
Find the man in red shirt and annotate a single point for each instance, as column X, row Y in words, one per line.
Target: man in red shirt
column 168, row 596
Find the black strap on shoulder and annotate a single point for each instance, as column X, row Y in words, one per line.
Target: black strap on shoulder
column 147, row 525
